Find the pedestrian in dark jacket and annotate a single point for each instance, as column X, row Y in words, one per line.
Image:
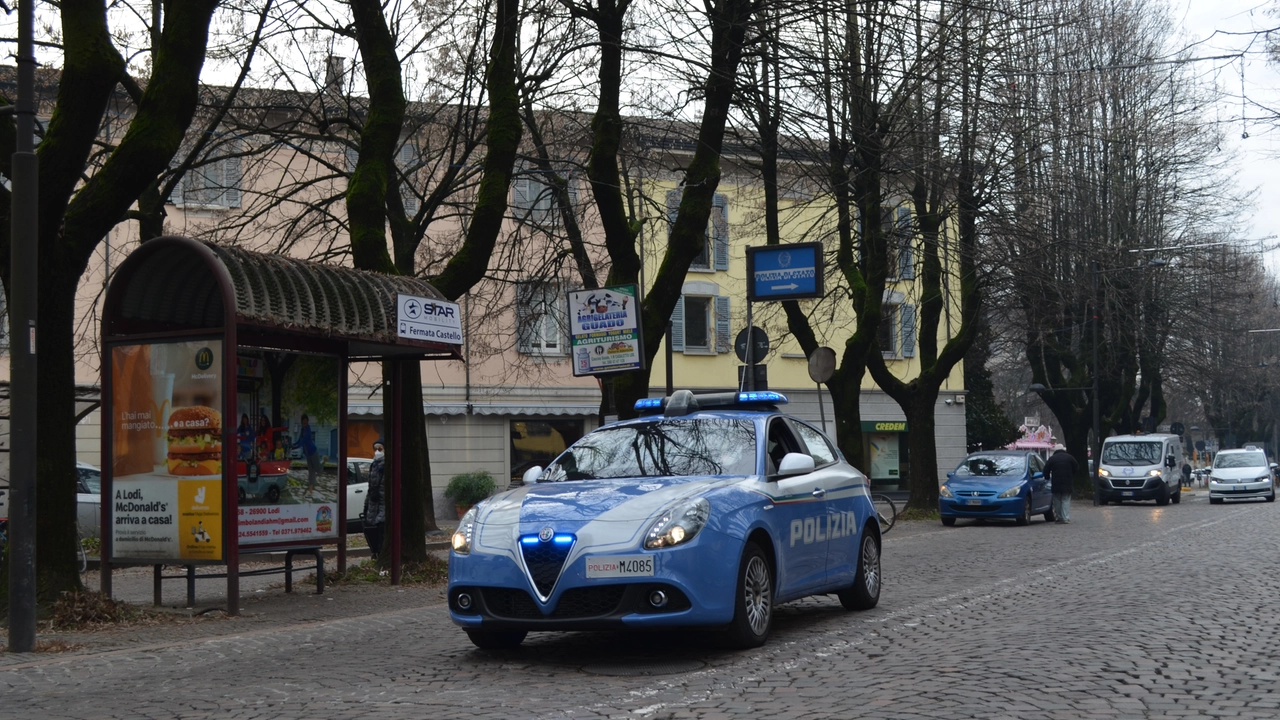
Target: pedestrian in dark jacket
column 1060, row 468
column 375, row 506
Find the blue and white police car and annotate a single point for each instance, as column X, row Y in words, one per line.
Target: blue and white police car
column 706, row 511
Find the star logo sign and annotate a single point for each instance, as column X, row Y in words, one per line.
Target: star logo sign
column 412, row 309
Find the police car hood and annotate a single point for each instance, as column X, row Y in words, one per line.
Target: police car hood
column 567, row 506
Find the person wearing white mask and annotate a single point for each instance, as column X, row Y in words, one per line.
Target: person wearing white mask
column 375, row 506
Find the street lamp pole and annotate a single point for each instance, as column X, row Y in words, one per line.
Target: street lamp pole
column 1097, row 411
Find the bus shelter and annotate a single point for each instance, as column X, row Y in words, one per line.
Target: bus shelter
column 224, row 379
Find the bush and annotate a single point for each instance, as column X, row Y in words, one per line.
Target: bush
column 470, row 488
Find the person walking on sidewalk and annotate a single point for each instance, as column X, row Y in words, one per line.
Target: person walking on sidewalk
column 375, row 506
column 1060, row 468
column 307, row 442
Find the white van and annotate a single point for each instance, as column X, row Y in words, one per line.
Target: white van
column 1141, row 467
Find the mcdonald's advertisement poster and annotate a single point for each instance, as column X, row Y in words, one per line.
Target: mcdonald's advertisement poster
column 604, row 334
column 166, row 451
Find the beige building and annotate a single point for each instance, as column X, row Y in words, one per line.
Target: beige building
column 515, row 401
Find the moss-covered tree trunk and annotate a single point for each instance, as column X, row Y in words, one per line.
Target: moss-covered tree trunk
column 729, row 20
column 74, row 218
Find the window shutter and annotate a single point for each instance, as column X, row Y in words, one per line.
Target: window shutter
column 673, row 208
column 525, row 292
column 906, row 260
column 520, row 192
column 722, row 324
column 720, row 223
column 175, row 195
column 232, row 176
column 907, row 316
column 677, row 325
column 352, row 155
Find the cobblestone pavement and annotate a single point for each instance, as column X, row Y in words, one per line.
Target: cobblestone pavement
column 1133, row 611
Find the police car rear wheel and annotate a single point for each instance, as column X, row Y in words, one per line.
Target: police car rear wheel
column 753, row 605
column 496, row 639
column 864, row 594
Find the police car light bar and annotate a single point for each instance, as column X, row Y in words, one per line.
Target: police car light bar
column 684, row 401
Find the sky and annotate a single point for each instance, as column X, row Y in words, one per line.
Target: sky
column 1222, row 27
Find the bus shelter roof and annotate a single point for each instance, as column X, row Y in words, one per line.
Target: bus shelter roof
column 176, row 285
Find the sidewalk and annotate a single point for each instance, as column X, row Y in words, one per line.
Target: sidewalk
column 263, row 605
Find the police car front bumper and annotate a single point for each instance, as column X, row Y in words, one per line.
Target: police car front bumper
column 692, row 584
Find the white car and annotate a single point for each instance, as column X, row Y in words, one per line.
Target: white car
column 357, row 488
column 88, row 499
column 1241, row 474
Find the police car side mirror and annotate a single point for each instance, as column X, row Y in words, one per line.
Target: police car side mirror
column 795, row 464
column 531, row 475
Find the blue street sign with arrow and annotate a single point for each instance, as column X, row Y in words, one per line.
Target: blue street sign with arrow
column 784, row 272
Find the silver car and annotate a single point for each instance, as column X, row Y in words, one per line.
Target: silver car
column 1241, row 474
column 88, row 499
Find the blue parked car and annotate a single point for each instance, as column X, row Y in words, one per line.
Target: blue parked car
column 1006, row 484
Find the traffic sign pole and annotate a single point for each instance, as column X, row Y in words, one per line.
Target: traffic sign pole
column 749, row 375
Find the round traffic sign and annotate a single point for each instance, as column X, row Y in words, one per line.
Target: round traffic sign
column 822, row 364
column 759, row 349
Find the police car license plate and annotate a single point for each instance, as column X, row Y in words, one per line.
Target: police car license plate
column 975, row 501
column 613, row 566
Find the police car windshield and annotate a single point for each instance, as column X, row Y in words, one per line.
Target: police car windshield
column 1240, row 460
column 660, row 448
column 991, row 465
column 1131, row 453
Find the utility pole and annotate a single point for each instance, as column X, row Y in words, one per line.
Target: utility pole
column 22, row 325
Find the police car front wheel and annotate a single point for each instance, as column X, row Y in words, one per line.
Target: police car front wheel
column 753, row 603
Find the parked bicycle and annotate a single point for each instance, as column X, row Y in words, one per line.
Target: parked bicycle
column 886, row 512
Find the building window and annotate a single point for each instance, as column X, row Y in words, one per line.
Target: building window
column 541, row 318
column 533, row 197
column 214, row 183
column 700, row 325
column 697, row 323
column 897, row 331
column 715, row 246
column 888, row 331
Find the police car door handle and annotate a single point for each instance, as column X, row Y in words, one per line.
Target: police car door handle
column 819, row 493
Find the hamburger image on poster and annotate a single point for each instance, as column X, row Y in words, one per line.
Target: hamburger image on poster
column 195, row 441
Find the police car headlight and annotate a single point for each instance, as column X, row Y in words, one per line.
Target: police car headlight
column 466, row 529
column 945, row 492
column 679, row 524
column 1012, row 492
